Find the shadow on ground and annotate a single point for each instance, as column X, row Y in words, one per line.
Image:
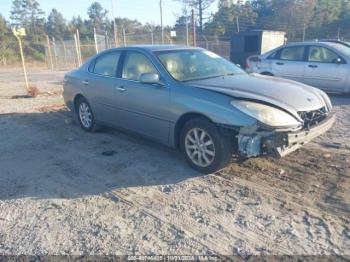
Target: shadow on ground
column 45, row 155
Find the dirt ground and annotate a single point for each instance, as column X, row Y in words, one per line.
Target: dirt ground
column 64, row 191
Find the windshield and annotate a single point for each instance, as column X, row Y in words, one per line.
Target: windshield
column 187, row 65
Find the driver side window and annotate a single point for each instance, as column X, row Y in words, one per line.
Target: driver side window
column 135, row 65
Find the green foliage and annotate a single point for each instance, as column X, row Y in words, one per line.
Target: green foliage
column 28, row 14
column 56, row 25
column 97, row 16
column 7, row 52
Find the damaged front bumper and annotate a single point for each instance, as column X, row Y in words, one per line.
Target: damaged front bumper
column 279, row 143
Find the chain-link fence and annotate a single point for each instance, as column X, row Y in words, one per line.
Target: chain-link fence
column 69, row 53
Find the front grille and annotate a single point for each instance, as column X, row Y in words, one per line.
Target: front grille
column 312, row 118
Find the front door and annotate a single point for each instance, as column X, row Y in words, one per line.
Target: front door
column 325, row 69
column 143, row 108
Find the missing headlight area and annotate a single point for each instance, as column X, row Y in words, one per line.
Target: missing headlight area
column 254, row 143
column 313, row 118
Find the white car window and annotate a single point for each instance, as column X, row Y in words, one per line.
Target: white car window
column 322, row 55
column 294, row 53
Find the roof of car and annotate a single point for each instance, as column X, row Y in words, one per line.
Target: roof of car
column 153, row 48
column 324, row 42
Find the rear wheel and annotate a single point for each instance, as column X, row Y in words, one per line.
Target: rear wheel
column 205, row 148
column 85, row 116
column 266, row 74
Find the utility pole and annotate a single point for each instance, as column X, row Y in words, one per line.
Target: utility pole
column 194, row 41
column 161, row 19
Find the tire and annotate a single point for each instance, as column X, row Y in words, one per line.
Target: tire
column 85, row 116
column 208, row 153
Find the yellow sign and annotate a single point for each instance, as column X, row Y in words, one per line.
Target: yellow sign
column 19, row 31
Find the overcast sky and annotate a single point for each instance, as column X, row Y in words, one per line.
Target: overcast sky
column 142, row 10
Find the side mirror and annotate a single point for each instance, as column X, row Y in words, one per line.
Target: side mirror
column 149, row 78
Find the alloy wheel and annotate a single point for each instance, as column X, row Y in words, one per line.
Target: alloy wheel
column 200, row 147
column 85, row 115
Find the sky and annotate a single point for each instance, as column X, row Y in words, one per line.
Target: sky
column 142, row 10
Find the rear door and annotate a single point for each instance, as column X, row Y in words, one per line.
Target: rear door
column 325, row 69
column 100, row 87
column 289, row 63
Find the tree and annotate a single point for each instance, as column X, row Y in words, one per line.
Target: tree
column 201, row 6
column 27, row 14
column 230, row 19
column 98, row 16
column 6, row 42
column 56, row 25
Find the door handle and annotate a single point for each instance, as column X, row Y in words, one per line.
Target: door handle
column 120, row 89
column 313, row 66
column 85, row 82
column 279, row 63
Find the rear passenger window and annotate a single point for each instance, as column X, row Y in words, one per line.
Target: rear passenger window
column 295, row 53
column 322, row 55
column 107, row 64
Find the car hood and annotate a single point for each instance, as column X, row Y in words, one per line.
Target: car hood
column 289, row 95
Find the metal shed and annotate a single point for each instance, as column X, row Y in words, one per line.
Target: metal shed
column 254, row 42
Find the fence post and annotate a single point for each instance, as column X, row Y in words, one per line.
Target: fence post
column 193, row 30
column 65, row 53
column 54, row 52
column 79, row 47
column 95, row 39
column 106, row 40
column 115, row 34
column 49, row 51
column 124, row 37
column 76, row 49
column 187, row 42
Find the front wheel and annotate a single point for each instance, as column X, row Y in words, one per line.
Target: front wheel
column 205, row 148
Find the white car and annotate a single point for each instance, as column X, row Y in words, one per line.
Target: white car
column 325, row 64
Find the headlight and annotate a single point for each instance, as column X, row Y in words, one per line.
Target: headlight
column 266, row 114
column 326, row 100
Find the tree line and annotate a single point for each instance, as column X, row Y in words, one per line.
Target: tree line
column 301, row 19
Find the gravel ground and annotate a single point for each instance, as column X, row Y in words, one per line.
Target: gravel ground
column 64, row 191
